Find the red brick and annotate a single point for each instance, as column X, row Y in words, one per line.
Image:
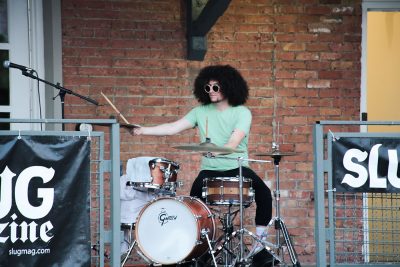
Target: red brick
column 301, row 61
column 318, row 84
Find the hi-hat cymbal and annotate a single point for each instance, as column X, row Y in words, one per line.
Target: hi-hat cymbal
column 277, row 154
column 129, row 126
column 208, row 147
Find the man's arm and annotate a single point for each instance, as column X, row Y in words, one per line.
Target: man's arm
column 235, row 139
column 164, row 129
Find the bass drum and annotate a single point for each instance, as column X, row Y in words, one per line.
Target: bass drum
column 169, row 229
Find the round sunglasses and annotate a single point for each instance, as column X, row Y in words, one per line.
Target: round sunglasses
column 215, row 87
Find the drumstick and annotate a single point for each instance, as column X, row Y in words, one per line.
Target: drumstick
column 116, row 110
column 206, row 127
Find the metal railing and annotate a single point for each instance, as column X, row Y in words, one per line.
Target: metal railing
column 104, row 182
column 352, row 228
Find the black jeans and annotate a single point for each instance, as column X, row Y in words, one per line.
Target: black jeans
column 263, row 196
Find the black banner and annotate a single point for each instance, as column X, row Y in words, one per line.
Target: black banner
column 366, row 164
column 44, row 201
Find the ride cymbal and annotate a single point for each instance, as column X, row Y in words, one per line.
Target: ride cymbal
column 208, row 147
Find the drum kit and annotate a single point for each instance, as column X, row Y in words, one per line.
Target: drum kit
column 182, row 230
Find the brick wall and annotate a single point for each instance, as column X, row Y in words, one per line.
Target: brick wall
column 301, row 59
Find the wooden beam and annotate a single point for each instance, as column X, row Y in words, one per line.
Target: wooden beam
column 201, row 17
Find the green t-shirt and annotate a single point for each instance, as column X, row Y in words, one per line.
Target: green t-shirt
column 220, row 125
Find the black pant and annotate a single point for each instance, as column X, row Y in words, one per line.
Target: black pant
column 262, row 192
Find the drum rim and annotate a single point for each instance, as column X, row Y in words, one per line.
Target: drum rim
column 223, row 202
column 179, row 199
column 226, row 178
column 160, row 159
column 146, row 252
column 149, row 185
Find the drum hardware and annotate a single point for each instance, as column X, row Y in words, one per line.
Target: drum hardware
column 268, row 246
column 241, row 260
column 169, row 188
column 207, row 148
column 163, row 171
column 277, row 220
column 129, row 253
column 167, row 171
column 241, row 231
column 226, row 247
column 150, row 188
column 204, row 233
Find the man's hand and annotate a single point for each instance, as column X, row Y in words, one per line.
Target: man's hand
column 209, row 154
column 136, row 131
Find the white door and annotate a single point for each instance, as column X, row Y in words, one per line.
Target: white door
column 21, row 42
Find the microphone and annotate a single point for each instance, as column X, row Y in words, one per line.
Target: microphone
column 7, row 64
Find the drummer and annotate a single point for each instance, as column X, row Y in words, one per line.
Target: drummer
column 221, row 116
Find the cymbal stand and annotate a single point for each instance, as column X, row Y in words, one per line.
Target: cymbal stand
column 242, row 259
column 204, row 233
column 265, row 244
column 132, row 243
column 278, row 223
column 240, row 162
column 227, row 244
column 128, row 253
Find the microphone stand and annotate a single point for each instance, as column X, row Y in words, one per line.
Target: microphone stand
column 62, row 92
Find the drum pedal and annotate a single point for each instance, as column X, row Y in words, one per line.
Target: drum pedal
column 264, row 258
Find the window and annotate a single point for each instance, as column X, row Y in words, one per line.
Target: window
column 4, row 73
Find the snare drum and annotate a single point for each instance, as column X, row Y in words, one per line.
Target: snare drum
column 225, row 191
column 169, row 229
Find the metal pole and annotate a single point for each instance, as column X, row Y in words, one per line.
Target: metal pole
column 277, row 200
column 241, row 207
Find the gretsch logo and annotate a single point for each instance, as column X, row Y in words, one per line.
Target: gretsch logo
column 163, row 217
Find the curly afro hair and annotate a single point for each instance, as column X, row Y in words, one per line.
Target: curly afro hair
column 232, row 84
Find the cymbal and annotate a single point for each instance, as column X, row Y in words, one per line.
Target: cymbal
column 129, row 126
column 208, row 147
column 277, row 154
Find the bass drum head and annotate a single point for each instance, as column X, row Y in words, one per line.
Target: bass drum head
column 166, row 231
